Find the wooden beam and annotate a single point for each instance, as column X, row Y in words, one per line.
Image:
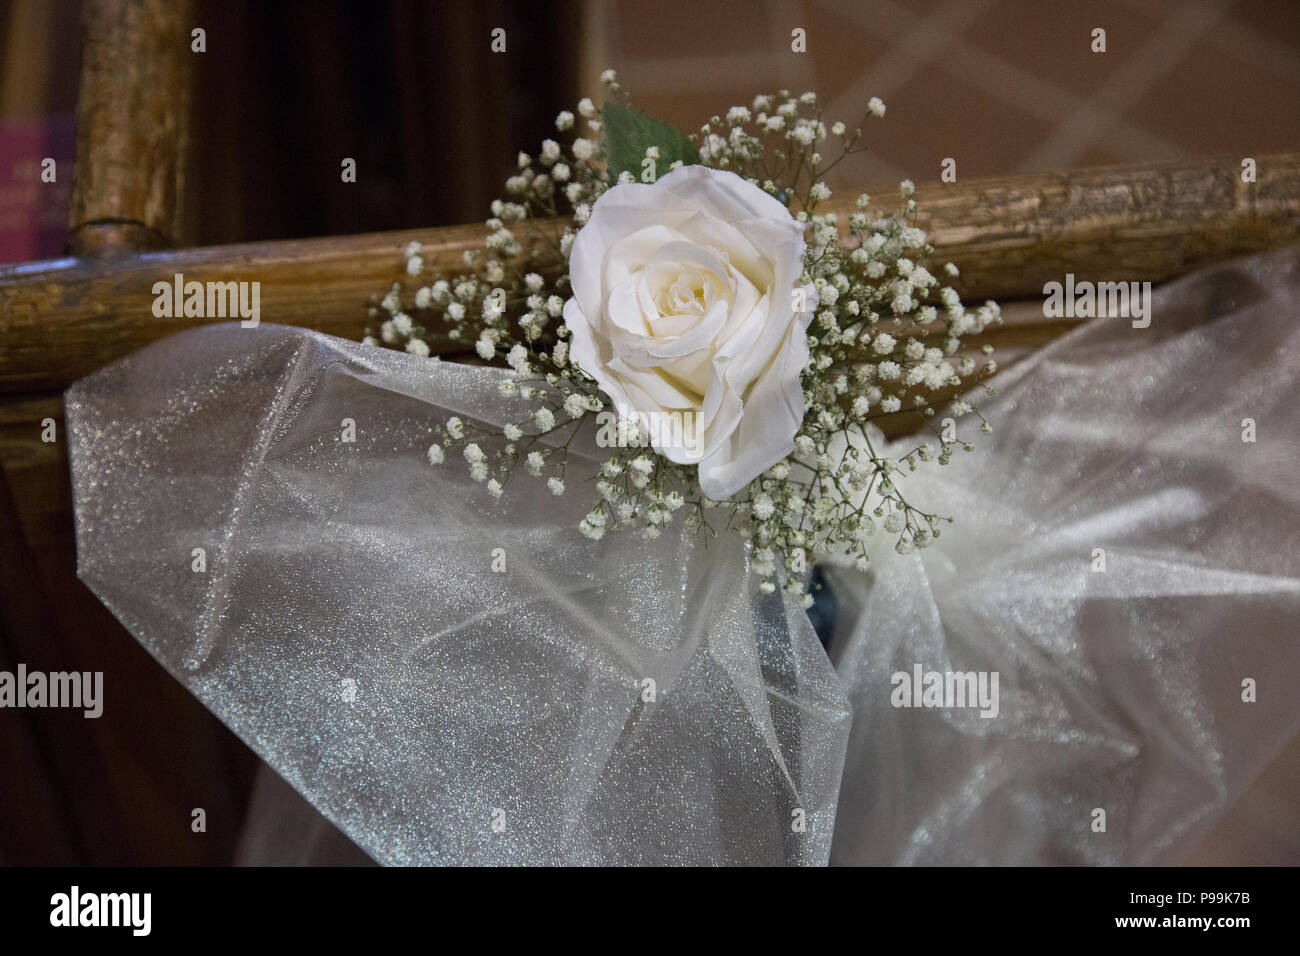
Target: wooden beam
column 132, row 125
column 1151, row 222
column 62, row 319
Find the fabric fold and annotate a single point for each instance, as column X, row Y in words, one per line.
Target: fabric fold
column 1124, row 557
column 446, row 677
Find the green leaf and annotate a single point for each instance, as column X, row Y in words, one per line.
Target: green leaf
column 629, row 132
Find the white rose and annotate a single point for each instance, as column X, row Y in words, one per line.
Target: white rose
column 683, row 309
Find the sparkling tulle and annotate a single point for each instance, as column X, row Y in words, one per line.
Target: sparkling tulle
column 1121, row 690
column 447, row 677
column 351, row 628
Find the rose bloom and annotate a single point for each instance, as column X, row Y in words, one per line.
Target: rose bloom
column 683, row 307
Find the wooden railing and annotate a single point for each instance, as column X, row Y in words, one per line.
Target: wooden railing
column 60, row 320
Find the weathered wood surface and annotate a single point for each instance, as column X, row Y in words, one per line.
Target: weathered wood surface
column 1150, row 222
column 62, row 319
column 132, row 125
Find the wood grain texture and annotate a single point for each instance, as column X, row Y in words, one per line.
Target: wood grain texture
column 1149, row 222
column 132, row 125
column 62, row 319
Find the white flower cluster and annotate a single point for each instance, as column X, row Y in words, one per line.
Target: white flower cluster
column 886, row 339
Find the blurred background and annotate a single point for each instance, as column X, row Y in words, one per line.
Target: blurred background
column 411, row 91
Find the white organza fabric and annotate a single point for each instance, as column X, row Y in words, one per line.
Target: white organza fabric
column 350, row 626
column 1121, row 690
column 446, row 677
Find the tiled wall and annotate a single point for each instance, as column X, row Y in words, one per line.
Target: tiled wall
column 1002, row 86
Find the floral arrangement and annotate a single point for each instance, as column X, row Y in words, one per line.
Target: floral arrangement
column 729, row 344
